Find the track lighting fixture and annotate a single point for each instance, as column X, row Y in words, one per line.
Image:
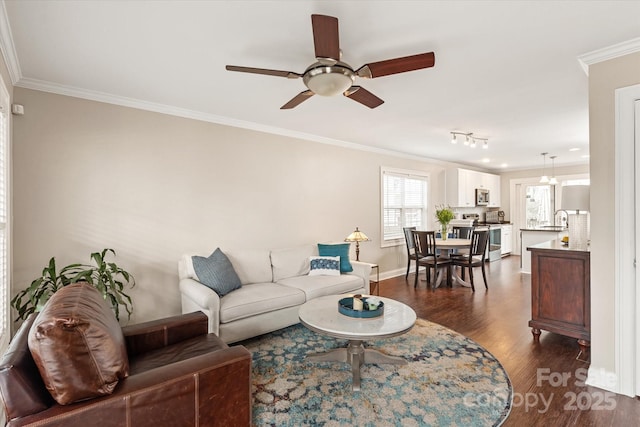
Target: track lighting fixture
column 469, row 139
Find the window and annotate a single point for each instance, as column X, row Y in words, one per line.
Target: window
column 404, row 203
column 5, row 332
column 540, row 205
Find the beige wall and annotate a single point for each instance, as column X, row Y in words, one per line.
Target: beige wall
column 604, row 79
column 90, row 175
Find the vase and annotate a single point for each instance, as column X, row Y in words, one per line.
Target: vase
column 444, row 233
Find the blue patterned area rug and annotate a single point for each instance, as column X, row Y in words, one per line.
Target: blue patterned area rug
column 449, row 381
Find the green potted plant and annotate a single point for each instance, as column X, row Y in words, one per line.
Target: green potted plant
column 444, row 214
column 105, row 276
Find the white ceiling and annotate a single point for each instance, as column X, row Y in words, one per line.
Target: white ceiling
column 507, row 71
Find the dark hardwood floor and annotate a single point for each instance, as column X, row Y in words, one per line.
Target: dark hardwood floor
column 547, row 379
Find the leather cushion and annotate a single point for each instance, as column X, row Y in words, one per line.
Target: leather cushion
column 78, row 345
column 23, row 392
column 182, row 350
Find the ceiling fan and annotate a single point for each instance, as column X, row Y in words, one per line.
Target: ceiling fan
column 330, row 76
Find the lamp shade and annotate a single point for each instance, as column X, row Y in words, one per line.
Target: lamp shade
column 356, row 236
column 575, row 197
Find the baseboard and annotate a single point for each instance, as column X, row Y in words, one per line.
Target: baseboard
column 606, row 380
column 394, row 273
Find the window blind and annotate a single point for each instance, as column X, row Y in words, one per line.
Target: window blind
column 404, row 203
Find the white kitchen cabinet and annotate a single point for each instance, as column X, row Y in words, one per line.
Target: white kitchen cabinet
column 506, row 239
column 493, row 185
column 461, row 187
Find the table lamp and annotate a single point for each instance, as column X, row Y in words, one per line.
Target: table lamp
column 357, row 236
column 576, row 198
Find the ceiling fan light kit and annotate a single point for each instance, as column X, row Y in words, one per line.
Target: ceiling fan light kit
column 470, row 139
column 328, row 80
column 329, row 76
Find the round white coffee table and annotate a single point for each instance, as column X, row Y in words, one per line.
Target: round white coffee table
column 321, row 315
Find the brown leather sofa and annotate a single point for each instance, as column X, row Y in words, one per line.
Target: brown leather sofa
column 179, row 375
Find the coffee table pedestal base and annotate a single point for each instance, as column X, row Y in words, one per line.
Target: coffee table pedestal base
column 356, row 355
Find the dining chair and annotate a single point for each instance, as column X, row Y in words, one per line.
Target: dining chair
column 461, row 233
column 475, row 257
column 411, row 248
column 426, row 255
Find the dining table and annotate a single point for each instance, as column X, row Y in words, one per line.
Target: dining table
column 446, row 246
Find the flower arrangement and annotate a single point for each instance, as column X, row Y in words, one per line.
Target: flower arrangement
column 444, row 214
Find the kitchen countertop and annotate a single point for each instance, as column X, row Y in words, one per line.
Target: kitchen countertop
column 557, row 245
column 550, row 228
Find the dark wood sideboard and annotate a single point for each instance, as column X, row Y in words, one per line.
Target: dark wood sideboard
column 561, row 291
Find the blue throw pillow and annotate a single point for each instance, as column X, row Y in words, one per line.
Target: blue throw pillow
column 338, row 249
column 216, row 272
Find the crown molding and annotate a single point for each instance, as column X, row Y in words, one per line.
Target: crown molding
column 44, row 86
column 7, row 47
column 610, row 52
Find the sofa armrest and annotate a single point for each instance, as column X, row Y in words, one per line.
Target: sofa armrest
column 362, row 269
column 198, row 297
column 147, row 336
column 210, row 389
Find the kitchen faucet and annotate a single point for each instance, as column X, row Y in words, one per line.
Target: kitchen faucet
column 564, row 221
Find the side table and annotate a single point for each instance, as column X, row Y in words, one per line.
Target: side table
column 374, row 286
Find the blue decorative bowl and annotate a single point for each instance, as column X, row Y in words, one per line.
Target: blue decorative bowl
column 345, row 306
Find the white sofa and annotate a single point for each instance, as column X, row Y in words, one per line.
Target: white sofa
column 274, row 285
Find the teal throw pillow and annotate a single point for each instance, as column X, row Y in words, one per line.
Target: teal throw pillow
column 216, row 272
column 338, row 249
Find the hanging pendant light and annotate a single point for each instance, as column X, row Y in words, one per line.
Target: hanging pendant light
column 553, row 180
column 544, row 179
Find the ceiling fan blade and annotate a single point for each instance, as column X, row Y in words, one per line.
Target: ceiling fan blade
column 297, row 100
column 277, row 73
column 397, row 65
column 363, row 96
column 325, row 37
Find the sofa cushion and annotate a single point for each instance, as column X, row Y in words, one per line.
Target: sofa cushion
column 317, row 286
column 258, row 298
column 77, row 345
column 337, row 249
column 216, row 272
column 290, row 262
column 252, row 265
column 324, row 266
column 21, row 387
